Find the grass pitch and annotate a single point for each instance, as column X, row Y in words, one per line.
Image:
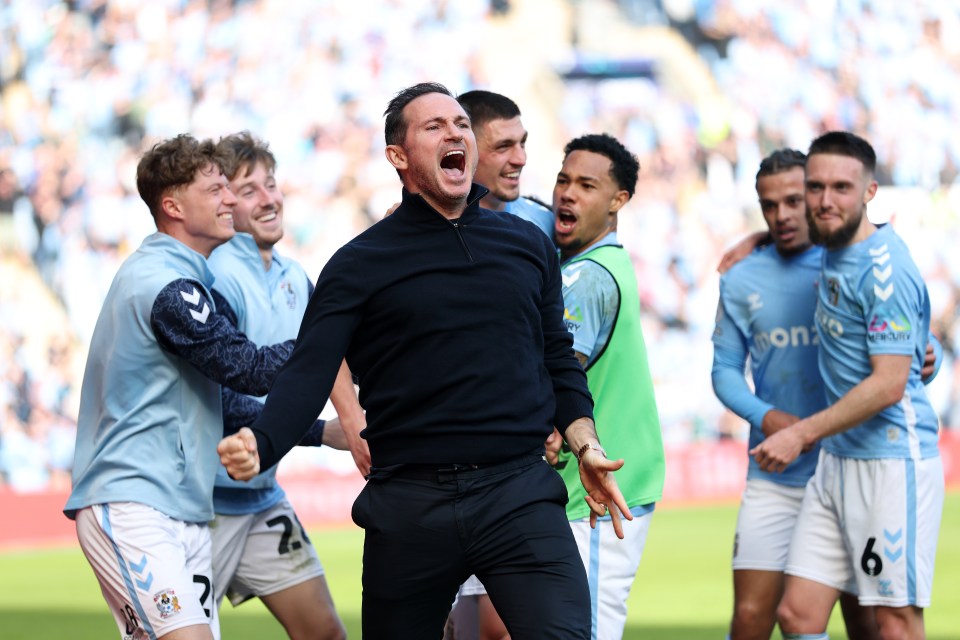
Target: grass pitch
column 683, row 590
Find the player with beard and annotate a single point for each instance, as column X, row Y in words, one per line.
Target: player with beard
column 765, row 314
column 455, row 427
column 871, row 512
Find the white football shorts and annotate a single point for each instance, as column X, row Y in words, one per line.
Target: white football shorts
column 611, row 566
column 870, row 527
column 765, row 525
column 154, row 571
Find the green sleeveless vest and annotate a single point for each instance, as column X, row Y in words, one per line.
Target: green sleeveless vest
column 625, row 409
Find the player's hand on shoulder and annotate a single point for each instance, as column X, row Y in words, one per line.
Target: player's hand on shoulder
column 741, row 250
column 238, row 454
column 929, row 362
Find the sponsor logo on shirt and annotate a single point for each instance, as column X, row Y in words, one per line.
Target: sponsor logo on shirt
column 783, row 337
column 573, row 318
column 831, row 325
column 883, row 329
column 879, row 324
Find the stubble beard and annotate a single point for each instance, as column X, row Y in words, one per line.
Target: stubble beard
column 837, row 239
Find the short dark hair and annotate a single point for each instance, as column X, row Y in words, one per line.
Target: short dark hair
column 781, row 160
column 171, row 164
column 624, row 166
column 484, row 106
column 244, row 150
column 395, row 127
column 844, row 143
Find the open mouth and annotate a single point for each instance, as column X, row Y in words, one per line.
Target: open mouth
column 565, row 222
column 270, row 217
column 453, row 163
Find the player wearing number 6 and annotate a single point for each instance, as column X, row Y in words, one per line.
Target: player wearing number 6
column 871, row 513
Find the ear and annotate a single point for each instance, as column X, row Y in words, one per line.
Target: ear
column 619, row 199
column 396, row 156
column 170, row 206
column 870, row 192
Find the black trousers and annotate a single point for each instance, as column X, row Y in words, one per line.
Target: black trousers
column 428, row 530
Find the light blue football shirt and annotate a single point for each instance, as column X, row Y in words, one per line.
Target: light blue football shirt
column 269, row 306
column 532, row 212
column 591, row 300
column 872, row 301
column 149, row 422
column 766, row 311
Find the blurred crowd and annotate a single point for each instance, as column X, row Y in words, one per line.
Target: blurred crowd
column 86, row 86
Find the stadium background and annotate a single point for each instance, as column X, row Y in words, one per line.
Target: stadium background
column 700, row 90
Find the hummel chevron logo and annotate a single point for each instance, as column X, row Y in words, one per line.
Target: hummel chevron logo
column 878, row 250
column 894, row 537
column 893, row 556
column 569, row 280
column 755, row 302
column 145, row 584
column 138, row 567
column 884, row 293
column 193, row 299
column 884, row 275
column 882, row 260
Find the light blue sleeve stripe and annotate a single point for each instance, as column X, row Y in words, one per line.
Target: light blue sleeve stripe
column 127, row 578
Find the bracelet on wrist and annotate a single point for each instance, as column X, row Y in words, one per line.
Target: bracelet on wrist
column 590, row 445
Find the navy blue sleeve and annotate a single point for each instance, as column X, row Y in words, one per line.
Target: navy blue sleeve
column 224, row 308
column 569, row 380
column 186, row 325
column 314, row 436
column 239, row 410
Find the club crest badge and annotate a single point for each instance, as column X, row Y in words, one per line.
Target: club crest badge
column 167, row 603
column 833, row 286
column 289, row 293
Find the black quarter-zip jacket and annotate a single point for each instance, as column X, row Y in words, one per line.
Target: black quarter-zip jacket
column 455, row 332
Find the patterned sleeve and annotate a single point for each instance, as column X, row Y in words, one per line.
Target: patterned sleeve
column 569, row 380
column 239, row 410
column 186, row 325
